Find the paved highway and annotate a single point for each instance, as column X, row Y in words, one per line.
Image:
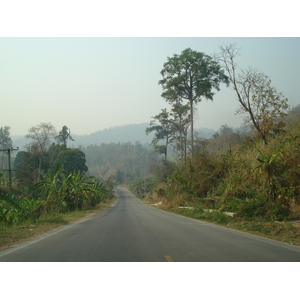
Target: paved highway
column 131, row 231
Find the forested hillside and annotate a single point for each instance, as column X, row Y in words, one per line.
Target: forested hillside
column 119, row 134
column 124, row 161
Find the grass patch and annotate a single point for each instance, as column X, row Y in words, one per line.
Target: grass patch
column 281, row 231
column 198, row 213
column 10, row 235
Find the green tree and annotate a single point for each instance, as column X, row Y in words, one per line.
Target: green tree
column 26, row 165
column 72, row 160
column 191, row 76
column 64, row 135
column 164, row 131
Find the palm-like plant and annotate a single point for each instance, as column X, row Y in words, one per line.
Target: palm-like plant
column 97, row 192
column 64, row 190
column 51, row 190
column 82, row 191
column 269, row 166
column 75, row 190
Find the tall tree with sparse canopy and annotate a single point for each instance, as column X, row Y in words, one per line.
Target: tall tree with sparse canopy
column 41, row 134
column 264, row 105
column 191, row 76
column 64, row 135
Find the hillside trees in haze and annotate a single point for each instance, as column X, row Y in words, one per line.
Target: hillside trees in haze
column 5, row 139
column 124, row 161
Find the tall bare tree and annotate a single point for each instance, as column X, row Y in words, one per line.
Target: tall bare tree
column 42, row 135
column 264, row 106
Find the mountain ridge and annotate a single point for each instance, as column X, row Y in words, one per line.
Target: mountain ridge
column 118, row 134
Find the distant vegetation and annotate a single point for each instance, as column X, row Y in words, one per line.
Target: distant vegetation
column 122, row 162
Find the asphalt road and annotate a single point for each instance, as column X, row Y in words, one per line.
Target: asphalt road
column 131, row 231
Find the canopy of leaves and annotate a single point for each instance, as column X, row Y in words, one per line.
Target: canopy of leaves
column 191, row 75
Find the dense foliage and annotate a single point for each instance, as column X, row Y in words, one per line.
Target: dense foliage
column 28, row 164
column 49, row 179
column 60, row 192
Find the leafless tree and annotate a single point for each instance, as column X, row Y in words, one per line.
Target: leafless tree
column 264, row 106
column 42, row 135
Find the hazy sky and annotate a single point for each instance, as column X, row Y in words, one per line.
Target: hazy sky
column 90, row 84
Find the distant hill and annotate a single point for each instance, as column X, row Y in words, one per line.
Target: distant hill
column 127, row 133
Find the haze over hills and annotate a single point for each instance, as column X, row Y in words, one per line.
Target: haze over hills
column 127, row 133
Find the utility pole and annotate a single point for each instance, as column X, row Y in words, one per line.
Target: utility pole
column 9, row 168
column 125, row 176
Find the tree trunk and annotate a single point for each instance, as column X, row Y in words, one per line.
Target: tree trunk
column 166, row 154
column 181, row 140
column 39, row 169
column 192, row 127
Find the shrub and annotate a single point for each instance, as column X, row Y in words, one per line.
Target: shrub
column 264, row 209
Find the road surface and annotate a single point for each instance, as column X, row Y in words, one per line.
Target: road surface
column 131, row 231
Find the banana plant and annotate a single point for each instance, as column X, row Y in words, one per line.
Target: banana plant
column 51, row 191
column 269, row 166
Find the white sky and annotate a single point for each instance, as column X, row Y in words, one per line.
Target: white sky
column 92, row 83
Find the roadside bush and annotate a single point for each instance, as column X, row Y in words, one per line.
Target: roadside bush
column 264, row 209
column 232, row 205
column 216, row 217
